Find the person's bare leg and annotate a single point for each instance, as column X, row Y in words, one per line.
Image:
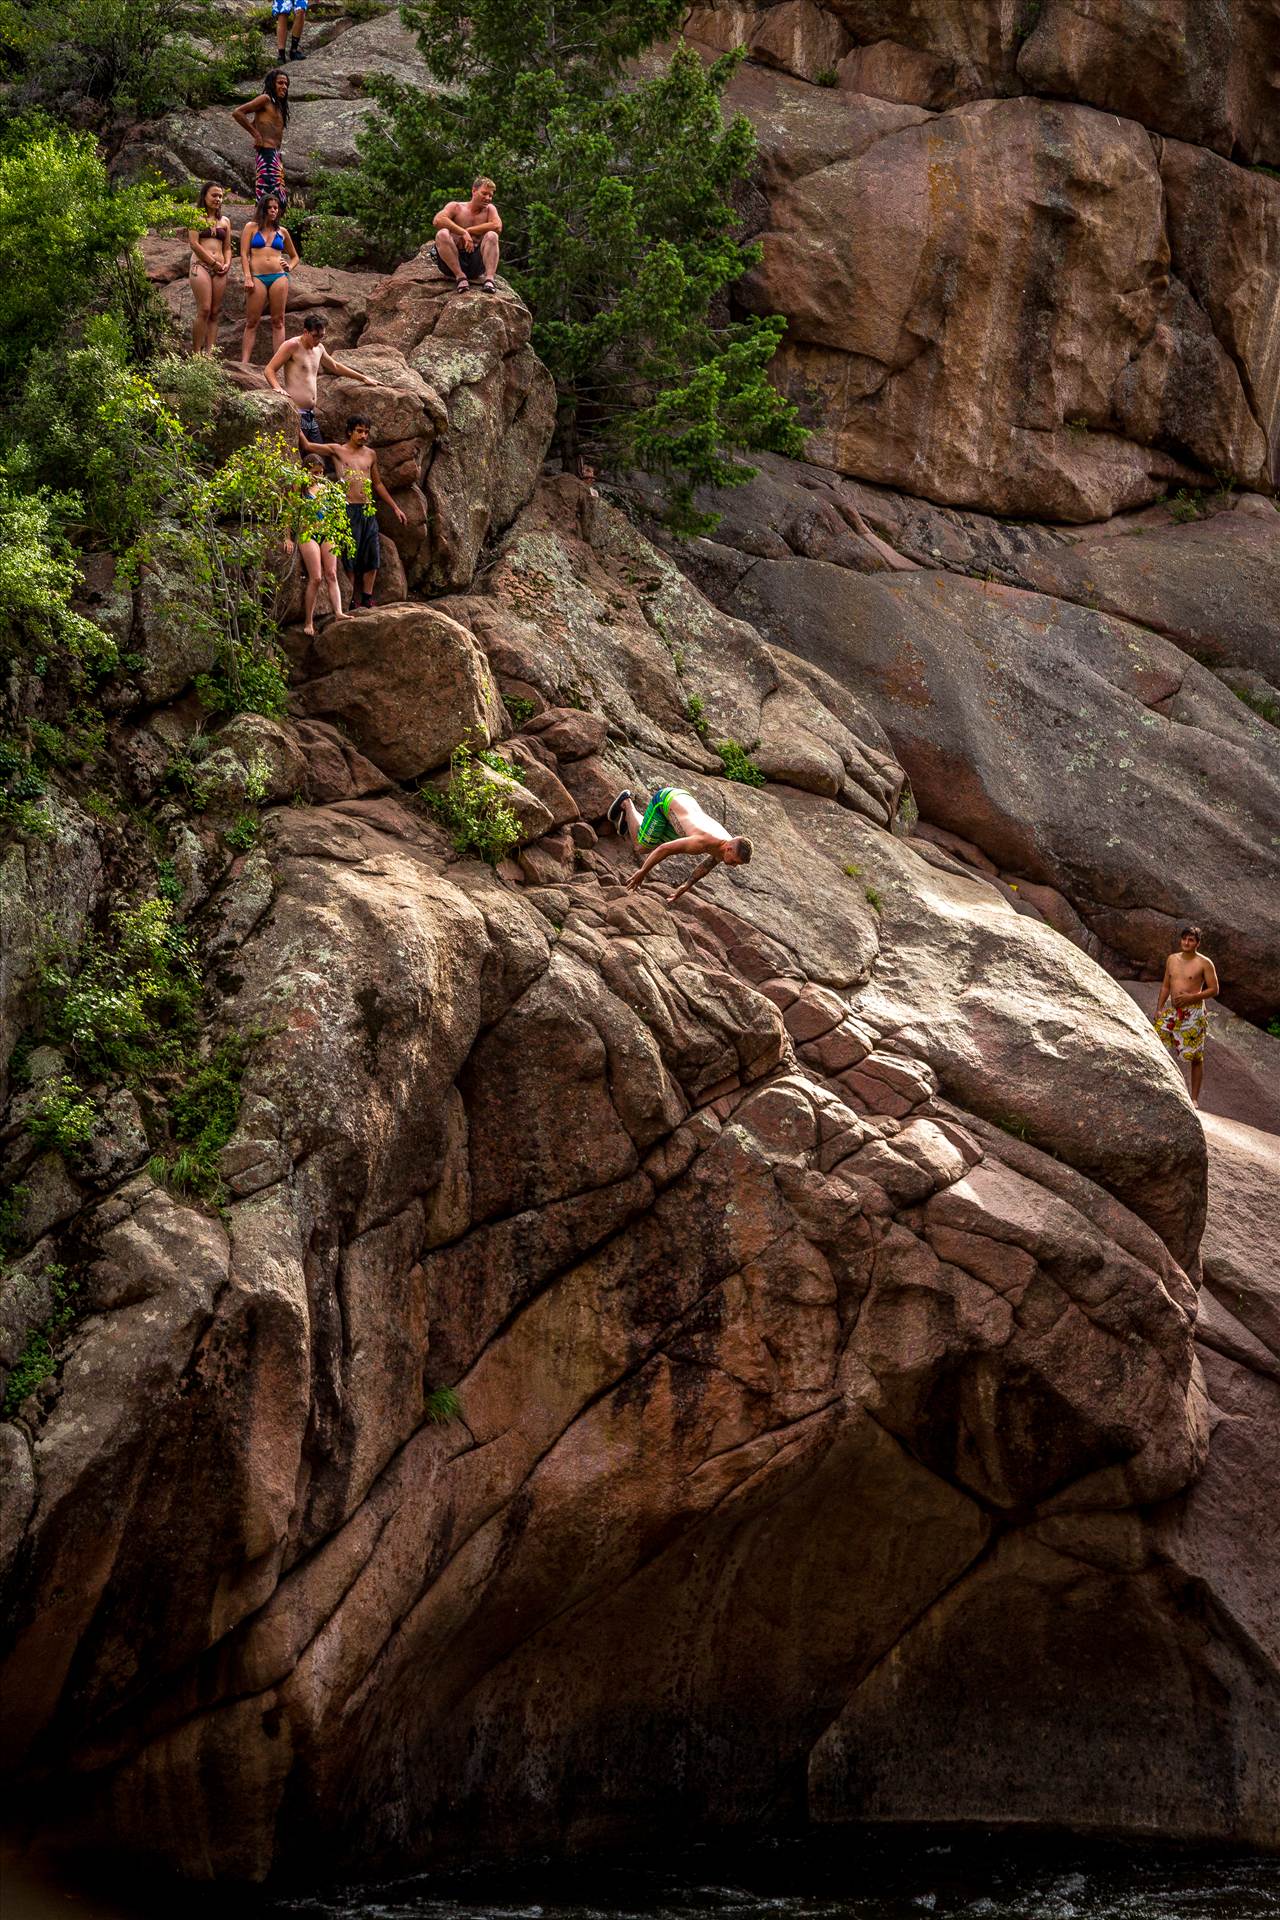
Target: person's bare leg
column 329, row 561
column 282, row 33
column 447, row 254
column 255, row 301
column 489, row 254
column 632, row 816
column 279, row 299
column 310, row 556
column 298, row 18
column 216, row 292
column 202, row 293
column 1197, row 1080
column 368, row 581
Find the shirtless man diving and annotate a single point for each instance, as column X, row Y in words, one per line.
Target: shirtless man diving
column 673, row 822
column 1182, row 1015
column 466, row 247
column 298, row 362
column 357, row 465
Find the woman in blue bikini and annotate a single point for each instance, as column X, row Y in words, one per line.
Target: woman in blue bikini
column 268, row 256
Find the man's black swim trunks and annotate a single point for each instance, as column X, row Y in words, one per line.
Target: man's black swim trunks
column 367, row 557
column 471, row 263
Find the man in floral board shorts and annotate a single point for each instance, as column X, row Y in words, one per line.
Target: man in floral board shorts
column 282, row 11
column 1182, row 1015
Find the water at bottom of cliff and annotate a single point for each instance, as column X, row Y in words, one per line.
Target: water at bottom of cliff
column 867, row 1874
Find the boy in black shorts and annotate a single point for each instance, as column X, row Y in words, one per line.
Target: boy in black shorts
column 357, row 465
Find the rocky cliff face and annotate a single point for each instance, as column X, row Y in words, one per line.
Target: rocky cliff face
column 856, row 1418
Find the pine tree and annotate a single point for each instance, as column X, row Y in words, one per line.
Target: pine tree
column 615, row 189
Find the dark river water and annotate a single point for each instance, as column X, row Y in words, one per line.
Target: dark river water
column 865, row 1876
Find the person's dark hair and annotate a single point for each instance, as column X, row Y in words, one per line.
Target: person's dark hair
column 743, row 848
column 355, row 420
column 314, row 463
column 271, row 87
column 314, row 323
column 1184, row 931
column 260, row 211
column 202, row 198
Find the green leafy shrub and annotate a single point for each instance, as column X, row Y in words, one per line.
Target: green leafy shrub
column 13, row 1207
column 696, row 714
column 330, row 241
column 64, row 231
column 826, row 77
column 205, row 1114
column 738, row 764
column 126, row 59
column 520, row 709
column 479, row 819
column 64, row 1118
column 1185, row 505
column 38, row 576
column 21, row 792
column 242, row 834
column 38, row 1359
column 490, row 757
column 874, row 898
column 126, row 1004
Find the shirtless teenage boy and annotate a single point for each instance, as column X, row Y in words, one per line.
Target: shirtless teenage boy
column 357, row 465
column 1190, row 979
column 299, row 361
column 673, row 822
column 467, row 238
column 265, row 118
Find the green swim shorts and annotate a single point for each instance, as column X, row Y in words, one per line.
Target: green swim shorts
column 656, row 827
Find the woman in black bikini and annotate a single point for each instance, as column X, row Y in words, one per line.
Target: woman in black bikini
column 268, row 256
column 210, row 259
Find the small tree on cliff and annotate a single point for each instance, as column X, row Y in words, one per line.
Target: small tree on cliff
column 618, row 229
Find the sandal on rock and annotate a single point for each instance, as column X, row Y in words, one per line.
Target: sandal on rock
column 489, row 286
column 614, row 815
column 461, row 284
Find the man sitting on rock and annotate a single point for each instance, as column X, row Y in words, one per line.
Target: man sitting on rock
column 300, row 360
column 673, row 822
column 357, row 465
column 467, row 238
column 1190, row 979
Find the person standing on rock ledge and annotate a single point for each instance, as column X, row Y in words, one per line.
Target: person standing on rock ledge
column 284, row 11
column 467, row 238
column 300, row 360
column 265, row 118
column 673, row 822
column 1190, row 979
column 357, row 465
